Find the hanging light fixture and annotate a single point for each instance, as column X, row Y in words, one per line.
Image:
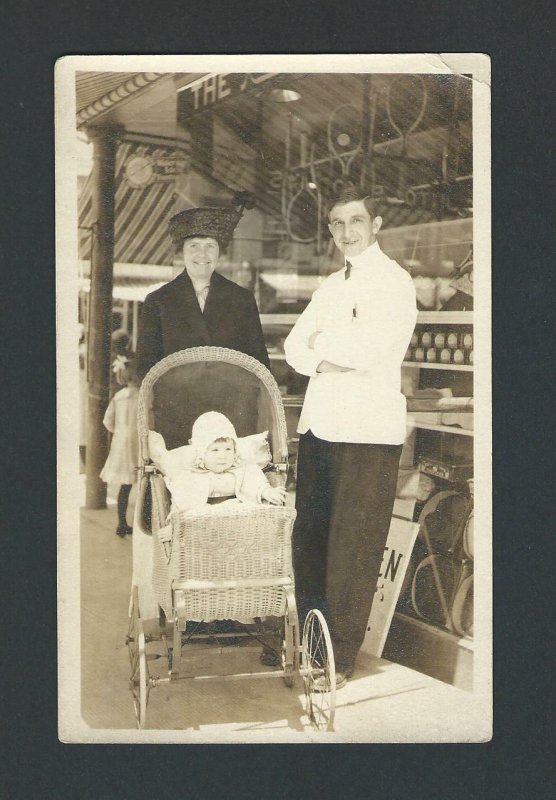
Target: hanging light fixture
column 283, row 95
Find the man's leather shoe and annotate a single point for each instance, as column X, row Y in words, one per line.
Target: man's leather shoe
column 341, row 680
column 321, row 684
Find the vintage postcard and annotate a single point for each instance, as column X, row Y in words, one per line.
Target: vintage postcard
column 274, row 398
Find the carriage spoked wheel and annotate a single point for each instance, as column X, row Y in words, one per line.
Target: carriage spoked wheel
column 290, row 644
column 139, row 680
column 318, row 672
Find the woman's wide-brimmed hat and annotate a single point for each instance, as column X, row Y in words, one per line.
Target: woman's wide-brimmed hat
column 217, row 222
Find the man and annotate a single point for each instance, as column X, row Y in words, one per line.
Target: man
column 200, row 307
column 351, row 340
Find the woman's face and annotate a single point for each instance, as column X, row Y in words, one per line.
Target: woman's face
column 200, row 255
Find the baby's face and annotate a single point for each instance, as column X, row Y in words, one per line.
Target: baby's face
column 220, row 455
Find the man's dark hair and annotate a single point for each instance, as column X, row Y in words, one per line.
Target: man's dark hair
column 351, row 194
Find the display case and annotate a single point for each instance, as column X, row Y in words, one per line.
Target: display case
column 439, row 394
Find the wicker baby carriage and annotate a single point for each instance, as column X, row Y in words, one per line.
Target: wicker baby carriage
column 228, row 562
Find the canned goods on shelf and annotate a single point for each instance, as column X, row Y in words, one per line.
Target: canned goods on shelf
column 467, row 341
column 452, row 340
column 426, row 339
column 414, row 339
column 431, row 354
column 470, row 357
column 445, row 356
column 439, row 339
column 419, row 354
column 458, row 357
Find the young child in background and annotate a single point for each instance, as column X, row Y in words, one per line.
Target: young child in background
column 119, row 356
column 121, row 420
column 218, row 473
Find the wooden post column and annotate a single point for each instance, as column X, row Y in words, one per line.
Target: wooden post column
column 105, row 144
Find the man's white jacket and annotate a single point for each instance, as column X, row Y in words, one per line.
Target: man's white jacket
column 364, row 323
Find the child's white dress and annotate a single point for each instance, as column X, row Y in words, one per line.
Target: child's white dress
column 121, row 421
column 191, row 488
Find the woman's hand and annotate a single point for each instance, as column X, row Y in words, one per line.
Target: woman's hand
column 274, row 495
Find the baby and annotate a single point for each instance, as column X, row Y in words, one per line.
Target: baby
column 218, row 473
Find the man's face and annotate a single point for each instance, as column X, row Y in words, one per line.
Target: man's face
column 200, row 255
column 352, row 228
column 220, row 455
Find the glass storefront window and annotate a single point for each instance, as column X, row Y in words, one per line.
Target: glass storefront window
column 293, row 140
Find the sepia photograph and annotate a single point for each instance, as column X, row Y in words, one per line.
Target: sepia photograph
column 274, row 398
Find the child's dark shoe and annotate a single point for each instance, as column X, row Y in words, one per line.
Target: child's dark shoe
column 123, row 530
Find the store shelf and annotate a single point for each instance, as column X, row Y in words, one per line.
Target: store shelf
column 446, row 317
column 439, row 405
column 424, row 364
column 293, row 400
column 279, row 319
column 423, row 318
column 431, row 426
column 296, row 401
column 437, row 365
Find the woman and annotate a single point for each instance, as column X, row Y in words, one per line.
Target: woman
column 200, row 306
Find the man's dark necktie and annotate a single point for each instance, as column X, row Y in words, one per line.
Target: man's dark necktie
column 348, row 270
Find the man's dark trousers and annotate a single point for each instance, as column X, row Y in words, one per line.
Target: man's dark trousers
column 344, row 499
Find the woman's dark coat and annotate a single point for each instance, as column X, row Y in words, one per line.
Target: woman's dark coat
column 172, row 320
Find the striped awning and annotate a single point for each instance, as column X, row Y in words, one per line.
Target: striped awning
column 141, row 214
column 99, row 92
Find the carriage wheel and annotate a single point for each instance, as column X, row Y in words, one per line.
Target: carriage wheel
column 131, row 638
column 290, row 644
column 319, row 672
column 139, row 680
column 462, row 608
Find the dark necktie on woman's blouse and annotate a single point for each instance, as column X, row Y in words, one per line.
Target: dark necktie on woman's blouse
column 348, row 270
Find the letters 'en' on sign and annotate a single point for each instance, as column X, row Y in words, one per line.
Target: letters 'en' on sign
column 395, row 561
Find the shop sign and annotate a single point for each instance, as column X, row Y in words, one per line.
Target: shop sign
column 213, row 89
column 143, row 170
column 395, row 561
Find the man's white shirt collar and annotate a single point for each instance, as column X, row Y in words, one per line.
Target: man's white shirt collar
column 364, row 258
